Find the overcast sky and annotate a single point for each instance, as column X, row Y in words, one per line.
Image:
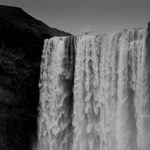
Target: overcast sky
column 78, row 16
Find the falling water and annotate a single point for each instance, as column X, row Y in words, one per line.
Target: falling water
column 94, row 92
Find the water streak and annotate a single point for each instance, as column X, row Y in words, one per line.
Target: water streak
column 95, row 92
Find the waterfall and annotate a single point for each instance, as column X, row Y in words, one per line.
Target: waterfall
column 95, row 92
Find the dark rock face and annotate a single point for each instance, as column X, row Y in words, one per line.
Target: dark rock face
column 21, row 44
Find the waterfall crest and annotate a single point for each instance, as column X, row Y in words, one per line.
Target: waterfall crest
column 94, row 92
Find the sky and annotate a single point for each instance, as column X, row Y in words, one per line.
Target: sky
column 79, row 16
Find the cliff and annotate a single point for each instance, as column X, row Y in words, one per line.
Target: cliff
column 21, row 44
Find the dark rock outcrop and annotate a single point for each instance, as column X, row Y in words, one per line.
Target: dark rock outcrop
column 21, row 44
